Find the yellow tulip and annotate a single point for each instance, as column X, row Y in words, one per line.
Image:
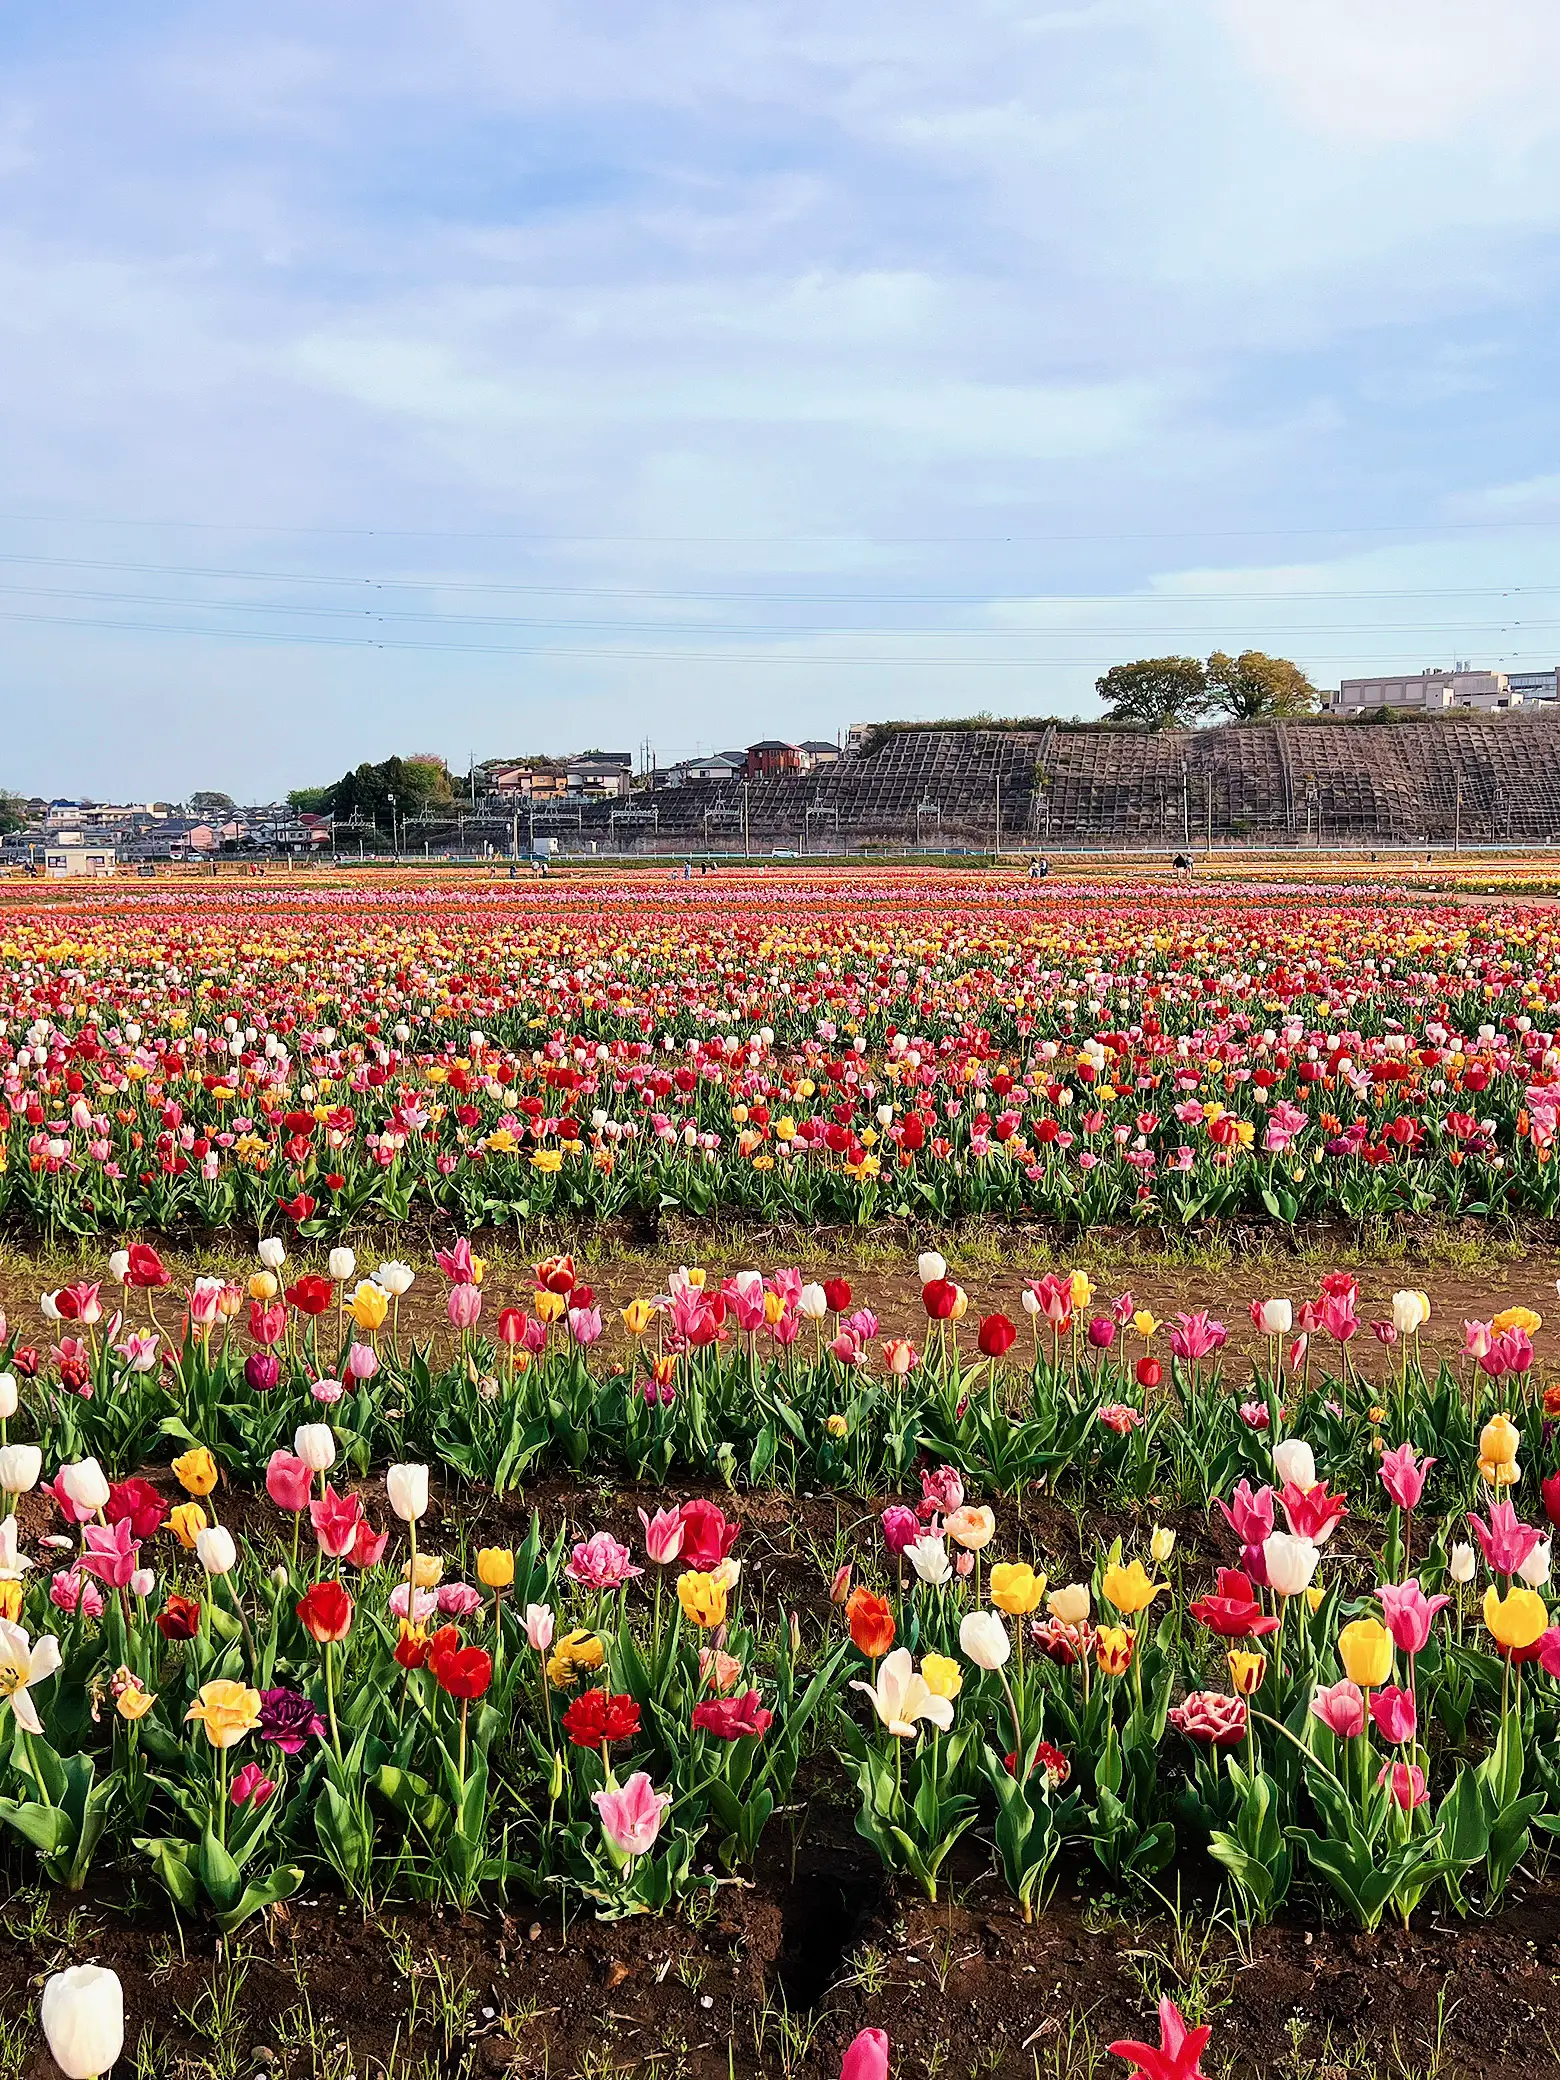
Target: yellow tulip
column 1082, row 1291
column 1365, row 1649
column 10, row 1601
column 1113, row 1649
column 1071, row 1605
column 1517, row 1621
column 227, row 1711
column 263, row 1287
column 1145, row 1324
column 637, row 1317
column 369, row 1306
column 1517, row 1318
column 495, row 1567
column 186, row 1523
column 1246, row 1671
column 1129, row 1588
column 1161, row 1545
column 196, row 1471
column 133, row 1702
column 550, row 1307
column 941, row 1676
column 703, row 1598
column 1016, row 1588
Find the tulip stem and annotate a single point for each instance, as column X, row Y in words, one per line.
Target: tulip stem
column 330, row 1702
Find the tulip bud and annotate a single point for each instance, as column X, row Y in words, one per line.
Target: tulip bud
column 143, row 1582
column 1460, row 1562
column 341, row 1265
column 1535, row 1568
column 273, row 1253
column 215, row 1550
column 1162, row 1544
column 867, row 2057
column 538, row 1627
column 362, row 1361
column 315, row 1445
column 119, row 1266
column 407, row 1490
column 930, row 1267
column 83, row 2017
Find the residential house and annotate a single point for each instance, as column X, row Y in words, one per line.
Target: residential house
column 700, row 772
column 775, row 756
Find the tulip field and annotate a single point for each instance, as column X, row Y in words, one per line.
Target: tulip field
column 606, row 1479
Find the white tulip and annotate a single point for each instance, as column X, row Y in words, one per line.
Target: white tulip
column 84, row 1484
column 396, row 1278
column 407, row 1488
column 20, row 1467
column 812, row 1303
column 1535, row 1568
column 10, row 1396
column 26, row 1663
column 1409, row 1313
column 1275, row 1317
column 983, row 1638
column 342, row 1263
column 83, row 2016
column 1293, row 1460
column 929, row 1557
column 14, row 1563
column 1290, row 1562
column 48, row 1307
column 215, row 1550
column 930, row 1267
column 272, row 1253
column 1029, row 1301
column 315, row 1445
column 1460, row 1562
column 119, row 1266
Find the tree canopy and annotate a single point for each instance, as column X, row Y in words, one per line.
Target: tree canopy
column 1254, row 685
column 416, row 783
column 1155, row 692
column 1171, row 692
column 210, row 801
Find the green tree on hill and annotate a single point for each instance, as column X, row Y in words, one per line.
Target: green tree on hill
column 1155, row 692
column 1249, row 687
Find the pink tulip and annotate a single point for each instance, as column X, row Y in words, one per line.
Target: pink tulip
column 1409, row 1613
column 1406, row 1782
column 335, row 1519
column 70, row 1590
column 1394, row 1713
column 1505, row 1540
column 663, row 1535
column 362, row 1361
column 404, row 1605
column 1249, row 1513
column 600, row 1562
column 464, row 1306
column 631, row 1817
column 457, row 1264
column 901, row 1527
column 585, row 1325
column 109, row 1553
column 1340, row 1708
column 1403, row 1477
column 538, row 1627
column 1196, row 1336
column 867, row 2057
column 251, row 1786
column 458, row 1600
column 288, row 1481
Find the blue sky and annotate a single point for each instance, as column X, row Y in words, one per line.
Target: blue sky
column 499, row 376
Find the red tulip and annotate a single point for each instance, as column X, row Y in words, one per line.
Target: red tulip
column 325, row 1611
column 997, row 1336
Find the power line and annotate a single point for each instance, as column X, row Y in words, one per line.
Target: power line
column 791, row 630
column 604, row 654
